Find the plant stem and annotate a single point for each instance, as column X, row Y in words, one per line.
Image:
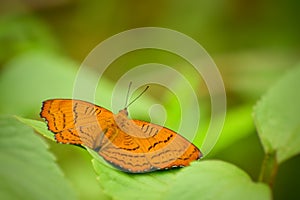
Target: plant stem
column 269, row 169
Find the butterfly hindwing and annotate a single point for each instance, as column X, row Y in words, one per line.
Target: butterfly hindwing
column 153, row 148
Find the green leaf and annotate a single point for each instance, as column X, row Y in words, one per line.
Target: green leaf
column 27, row 169
column 215, row 180
column 204, row 179
column 40, row 127
column 201, row 180
column 277, row 119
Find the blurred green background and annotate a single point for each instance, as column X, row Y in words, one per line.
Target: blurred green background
column 42, row 44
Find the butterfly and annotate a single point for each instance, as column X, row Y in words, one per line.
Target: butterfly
column 133, row 146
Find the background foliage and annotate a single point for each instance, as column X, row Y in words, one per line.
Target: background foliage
column 253, row 43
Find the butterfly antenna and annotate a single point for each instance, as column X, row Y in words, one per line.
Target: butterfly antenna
column 127, row 96
column 137, row 96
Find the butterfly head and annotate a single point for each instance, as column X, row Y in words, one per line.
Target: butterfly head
column 123, row 112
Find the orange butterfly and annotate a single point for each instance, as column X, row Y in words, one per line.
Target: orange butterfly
column 132, row 146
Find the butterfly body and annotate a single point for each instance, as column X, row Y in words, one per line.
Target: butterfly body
column 133, row 146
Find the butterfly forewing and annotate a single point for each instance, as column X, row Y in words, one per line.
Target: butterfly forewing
column 74, row 121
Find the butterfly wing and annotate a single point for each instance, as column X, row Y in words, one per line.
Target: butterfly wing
column 166, row 148
column 151, row 147
column 75, row 121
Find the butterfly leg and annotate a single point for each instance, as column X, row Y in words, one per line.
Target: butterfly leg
column 98, row 142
